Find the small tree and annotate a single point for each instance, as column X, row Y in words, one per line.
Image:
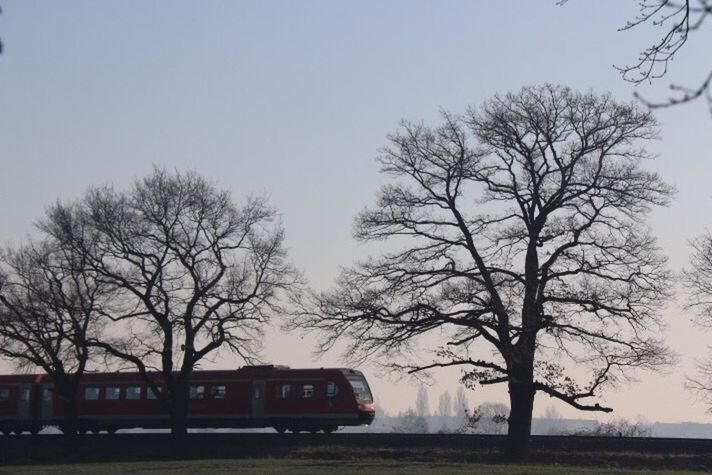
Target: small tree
column 523, row 233
column 460, row 405
column 196, row 274
column 470, row 423
column 445, row 405
column 49, row 309
column 422, row 402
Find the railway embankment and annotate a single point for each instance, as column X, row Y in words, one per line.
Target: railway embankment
column 695, row 454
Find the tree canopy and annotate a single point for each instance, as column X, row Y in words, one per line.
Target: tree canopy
column 522, row 230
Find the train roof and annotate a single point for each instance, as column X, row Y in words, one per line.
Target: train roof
column 251, row 371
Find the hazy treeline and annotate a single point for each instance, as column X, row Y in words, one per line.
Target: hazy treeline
column 491, row 418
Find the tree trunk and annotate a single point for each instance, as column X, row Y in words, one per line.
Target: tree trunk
column 521, row 399
column 179, row 410
column 70, row 420
column 179, row 418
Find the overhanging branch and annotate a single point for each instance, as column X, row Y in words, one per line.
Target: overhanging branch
column 571, row 400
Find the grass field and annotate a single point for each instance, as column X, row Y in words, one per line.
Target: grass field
column 314, row 467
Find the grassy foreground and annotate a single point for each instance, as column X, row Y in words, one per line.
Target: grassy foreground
column 314, row 467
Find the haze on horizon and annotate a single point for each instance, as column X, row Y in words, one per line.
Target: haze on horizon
column 294, row 99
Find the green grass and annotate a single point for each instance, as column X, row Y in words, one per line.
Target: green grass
column 314, row 467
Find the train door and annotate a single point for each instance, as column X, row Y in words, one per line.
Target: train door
column 24, row 408
column 47, row 401
column 258, row 398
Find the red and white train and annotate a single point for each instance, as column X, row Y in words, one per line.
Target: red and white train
column 250, row 397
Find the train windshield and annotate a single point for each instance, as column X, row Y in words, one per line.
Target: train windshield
column 361, row 389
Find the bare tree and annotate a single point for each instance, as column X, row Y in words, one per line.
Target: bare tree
column 197, row 274
column 49, row 309
column 677, row 19
column 524, row 243
column 698, row 284
column 470, row 422
column 445, row 405
column 460, row 405
column 698, row 279
column 422, row 402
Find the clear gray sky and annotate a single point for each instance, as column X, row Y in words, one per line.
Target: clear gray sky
column 294, row 99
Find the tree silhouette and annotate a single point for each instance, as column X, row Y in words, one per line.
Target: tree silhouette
column 445, row 404
column 698, row 284
column 422, row 402
column 460, row 405
column 196, row 274
column 50, row 307
column 522, row 231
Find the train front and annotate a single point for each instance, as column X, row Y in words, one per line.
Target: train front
column 364, row 398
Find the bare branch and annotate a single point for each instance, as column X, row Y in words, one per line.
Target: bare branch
column 677, row 20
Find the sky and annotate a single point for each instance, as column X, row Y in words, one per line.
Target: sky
column 294, row 99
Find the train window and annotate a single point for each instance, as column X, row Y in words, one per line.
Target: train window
column 47, row 394
column 332, row 389
column 197, row 392
column 91, row 394
column 112, row 393
column 307, row 391
column 284, row 391
column 25, row 394
column 133, row 392
column 218, row 392
column 151, row 394
column 4, row 394
column 361, row 389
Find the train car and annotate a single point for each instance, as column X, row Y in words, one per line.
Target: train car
column 22, row 405
column 311, row 400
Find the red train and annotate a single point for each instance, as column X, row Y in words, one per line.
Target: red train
column 250, row 397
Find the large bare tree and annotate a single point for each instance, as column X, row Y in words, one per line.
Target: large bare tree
column 49, row 309
column 524, row 251
column 196, row 272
